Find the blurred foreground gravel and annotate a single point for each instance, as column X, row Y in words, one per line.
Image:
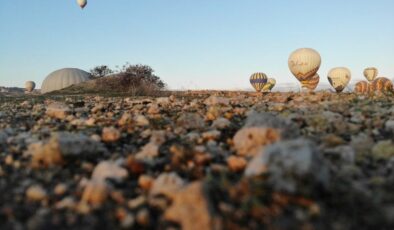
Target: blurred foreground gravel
column 221, row 160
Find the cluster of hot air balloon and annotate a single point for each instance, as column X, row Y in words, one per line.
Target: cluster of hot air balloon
column 373, row 83
column 261, row 83
column 304, row 64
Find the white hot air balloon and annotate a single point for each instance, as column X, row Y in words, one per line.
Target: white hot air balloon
column 29, row 86
column 370, row 73
column 339, row 78
column 82, row 3
column 64, row 78
column 304, row 63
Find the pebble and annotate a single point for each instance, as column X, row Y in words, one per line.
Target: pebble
column 250, row 141
column 36, row 193
column 190, row 208
column 110, row 134
column 288, row 164
column 58, row 110
column 109, row 170
column 236, row 164
column 166, row 184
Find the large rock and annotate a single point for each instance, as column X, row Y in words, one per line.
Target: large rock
column 214, row 100
column 292, row 166
column 288, row 129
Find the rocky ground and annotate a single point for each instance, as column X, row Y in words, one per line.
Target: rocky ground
column 197, row 161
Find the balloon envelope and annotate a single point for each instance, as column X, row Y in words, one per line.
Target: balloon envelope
column 339, row 78
column 362, row 87
column 382, row 84
column 311, row 83
column 30, row 85
column 82, row 3
column 63, row 78
column 370, row 73
column 269, row 85
column 304, row 63
column 258, row 80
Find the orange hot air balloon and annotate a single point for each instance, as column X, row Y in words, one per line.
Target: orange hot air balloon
column 382, row 84
column 311, row 83
column 82, row 3
column 362, row 87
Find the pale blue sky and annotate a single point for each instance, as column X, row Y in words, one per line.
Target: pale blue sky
column 213, row 44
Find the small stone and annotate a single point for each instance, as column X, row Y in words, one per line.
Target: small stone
column 190, row 208
column 145, row 182
column 66, row 203
column 143, row 218
column 141, row 120
column 190, row 121
column 214, row 100
column 389, row 125
column 221, row 123
column 250, row 141
column 137, row 202
column 290, row 164
column 236, row 164
column 95, row 193
column 286, row 128
column 125, row 119
column 166, row 184
column 211, row 135
column 153, row 109
column 57, row 110
column 36, row 193
column 332, row 140
column 383, row 150
column 63, row 145
column 60, row 189
column 151, row 150
column 109, row 170
column 110, row 134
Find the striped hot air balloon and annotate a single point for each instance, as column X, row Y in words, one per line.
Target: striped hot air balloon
column 270, row 84
column 311, row 83
column 370, row 73
column 304, row 63
column 382, row 84
column 258, row 80
column 362, row 87
column 82, row 3
column 339, row 78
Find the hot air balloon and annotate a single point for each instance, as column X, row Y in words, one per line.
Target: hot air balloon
column 82, row 3
column 63, row 78
column 311, row 83
column 258, row 80
column 29, row 86
column 339, row 78
column 304, row 63
column 269, row 85
column 382, row 84
column 370, row 73
column 362, row 87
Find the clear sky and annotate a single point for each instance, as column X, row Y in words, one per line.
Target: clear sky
column 194, row 44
